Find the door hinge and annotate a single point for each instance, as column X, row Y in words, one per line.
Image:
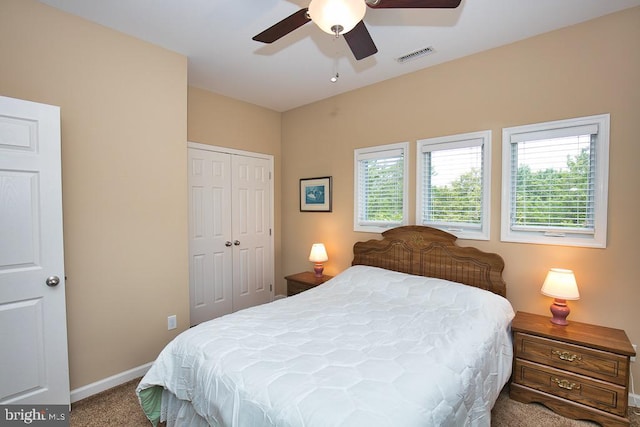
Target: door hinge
column 269, row 175
column 270, row 287
column 269, row 232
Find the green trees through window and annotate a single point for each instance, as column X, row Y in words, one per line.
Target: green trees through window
column 555, row 197
column 457, row 202
column 383, row 189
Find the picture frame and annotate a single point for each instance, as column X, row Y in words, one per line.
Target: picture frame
column 315, row 194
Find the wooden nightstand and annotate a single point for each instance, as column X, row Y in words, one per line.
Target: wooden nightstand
column 580, row 371
column 301, row 282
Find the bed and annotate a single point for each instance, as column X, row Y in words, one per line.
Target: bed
column 416, row 332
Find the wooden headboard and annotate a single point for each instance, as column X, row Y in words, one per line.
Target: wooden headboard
column 426, row 251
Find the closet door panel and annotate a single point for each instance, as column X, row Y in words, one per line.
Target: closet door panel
column 210, row 256
column 250, row 200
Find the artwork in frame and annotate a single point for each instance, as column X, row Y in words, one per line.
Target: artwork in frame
column 315, row 194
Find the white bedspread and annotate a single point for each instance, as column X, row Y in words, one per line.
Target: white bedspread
column 369, row 348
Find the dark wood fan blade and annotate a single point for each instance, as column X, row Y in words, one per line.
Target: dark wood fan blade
column 283, row 27
column 360, row 41
column 414, row 4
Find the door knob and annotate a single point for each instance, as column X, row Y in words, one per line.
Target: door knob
column 52, row 281
column 236, row 242
column 227, row 243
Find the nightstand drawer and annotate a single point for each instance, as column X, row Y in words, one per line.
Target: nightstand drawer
column 596, row 394
column 304, row 281
column 294, row 288
column 574, row 358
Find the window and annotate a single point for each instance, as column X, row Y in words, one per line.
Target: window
column 453, row 184
column 555, row 179
column 381, row 187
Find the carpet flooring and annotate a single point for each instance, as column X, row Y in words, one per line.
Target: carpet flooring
column 119, row 407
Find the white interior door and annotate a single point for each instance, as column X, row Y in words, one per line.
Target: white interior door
column 210, row 247
column 33, row 325
column 251, row 201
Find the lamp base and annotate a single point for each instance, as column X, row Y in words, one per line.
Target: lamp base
column 560, row 311
column 318, row 268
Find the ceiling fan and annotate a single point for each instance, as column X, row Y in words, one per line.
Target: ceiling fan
column 344, row 17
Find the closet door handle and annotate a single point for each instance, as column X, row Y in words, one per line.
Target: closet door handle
column 236, row 242
column 227, row 243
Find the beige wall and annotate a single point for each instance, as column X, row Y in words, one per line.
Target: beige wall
column 226, row 122
column 124, row 128
column 586, row 69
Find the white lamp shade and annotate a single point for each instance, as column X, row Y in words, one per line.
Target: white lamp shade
column 345, row 13
column 318, row 253
column 561, row 283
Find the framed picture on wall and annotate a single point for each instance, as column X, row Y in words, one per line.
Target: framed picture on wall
column 315, row 194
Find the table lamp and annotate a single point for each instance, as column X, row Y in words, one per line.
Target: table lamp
column 318, row 255
column 561, row 285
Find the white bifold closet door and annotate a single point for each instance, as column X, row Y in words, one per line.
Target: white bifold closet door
column 230, row 232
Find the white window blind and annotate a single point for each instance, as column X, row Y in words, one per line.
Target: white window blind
column 381, row 190
column 452, row 186
column 555, row 182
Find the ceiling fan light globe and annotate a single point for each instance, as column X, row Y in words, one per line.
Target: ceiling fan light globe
column 328, row 14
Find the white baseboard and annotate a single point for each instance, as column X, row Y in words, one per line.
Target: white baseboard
column 634, row 400
column 107, row 383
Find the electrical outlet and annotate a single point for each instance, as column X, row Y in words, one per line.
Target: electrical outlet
column 635, row 348
column 172, row 322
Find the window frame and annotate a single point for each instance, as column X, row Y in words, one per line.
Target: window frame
column 378, row 152
column 452, row 142
column 551, row 236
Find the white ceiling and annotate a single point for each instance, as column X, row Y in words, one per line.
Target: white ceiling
column 216, row 37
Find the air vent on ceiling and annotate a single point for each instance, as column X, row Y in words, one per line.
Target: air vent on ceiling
column 417, row 54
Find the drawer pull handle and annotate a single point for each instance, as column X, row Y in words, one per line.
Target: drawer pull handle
column 566, row 384
column 565, row 355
